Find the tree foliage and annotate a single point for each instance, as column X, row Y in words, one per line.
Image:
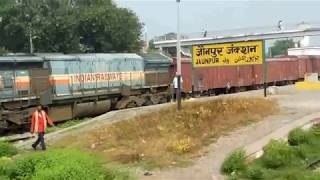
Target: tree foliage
column 281, row 47
column 152, row 47
column 68, row 26
column 3, row 51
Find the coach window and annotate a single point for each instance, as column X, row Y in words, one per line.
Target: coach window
column 22, row 73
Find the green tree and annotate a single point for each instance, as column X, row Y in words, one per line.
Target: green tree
column 46, row 22
column 281, row 47
column 58, row 30
column 68, row 26
column 5, row 4
column 116, row 29
column 151, row 44
column 3, row 51
column 152, row 47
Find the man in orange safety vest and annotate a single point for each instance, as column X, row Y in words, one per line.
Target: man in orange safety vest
column 39, row 123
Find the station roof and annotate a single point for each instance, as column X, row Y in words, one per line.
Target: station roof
column 155, row 57
column 304, row 51
column 107, row 56
column 241, row 37
column 11, row 59
column 55, row 56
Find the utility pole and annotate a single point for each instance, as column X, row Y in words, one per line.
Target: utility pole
column 30, row 39
column 29, row 19
column 178, row 74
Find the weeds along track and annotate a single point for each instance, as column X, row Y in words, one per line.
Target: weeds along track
column 119, row 115
column 73, row 124
column 163, row 137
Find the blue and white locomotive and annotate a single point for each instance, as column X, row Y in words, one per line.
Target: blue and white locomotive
column 79, row 85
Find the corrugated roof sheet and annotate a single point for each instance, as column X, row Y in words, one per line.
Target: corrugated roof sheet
column 20, row 59
column 56, row 57
column 151, row 58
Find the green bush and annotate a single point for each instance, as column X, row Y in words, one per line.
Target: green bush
column 301, row 151
column 276, row 154
column 3, row 177
column 316, row 129
column 255, row 172
column 234, row 162
column 64, row 164
column 293, row 173
column 7, row 168
column 7, row 149
column 298, row 136
column 114, row 172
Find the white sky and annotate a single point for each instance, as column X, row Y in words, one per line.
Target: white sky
column 160, row 15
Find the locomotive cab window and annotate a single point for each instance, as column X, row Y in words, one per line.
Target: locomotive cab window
column 7, row 79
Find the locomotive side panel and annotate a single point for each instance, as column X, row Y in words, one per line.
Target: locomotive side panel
column 92, row 81
column 94, row 72
column 79, row 85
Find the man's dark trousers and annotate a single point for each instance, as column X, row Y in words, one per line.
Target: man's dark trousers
column 41, row 141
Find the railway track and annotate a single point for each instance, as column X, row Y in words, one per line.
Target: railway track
column 16, row 137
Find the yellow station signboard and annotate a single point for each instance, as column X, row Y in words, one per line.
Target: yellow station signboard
column 228, row 54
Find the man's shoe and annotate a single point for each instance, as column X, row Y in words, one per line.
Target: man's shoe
column 34, row 147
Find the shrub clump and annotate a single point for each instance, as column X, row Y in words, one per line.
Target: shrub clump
column 316, row 130
column 7, row 150
column 255, row 172
column 181, row 146
column 298, row 136
column 276, row 154
column 234, row 162
column 7, row 168
column 63, row 164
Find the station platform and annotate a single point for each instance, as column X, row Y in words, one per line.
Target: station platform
column 311, row 82
column 308, row 85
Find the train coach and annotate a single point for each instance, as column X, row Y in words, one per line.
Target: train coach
column 79, row 85
column 217, row 80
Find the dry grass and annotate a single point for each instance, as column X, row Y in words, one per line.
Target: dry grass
column 167, row 138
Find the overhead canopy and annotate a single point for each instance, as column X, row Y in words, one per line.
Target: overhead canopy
column 241, row 37
column 20, row 59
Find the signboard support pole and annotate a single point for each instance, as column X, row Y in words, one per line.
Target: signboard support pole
column 265, row 72
column 178, row 58
column 192, row 75
column 179, row 93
